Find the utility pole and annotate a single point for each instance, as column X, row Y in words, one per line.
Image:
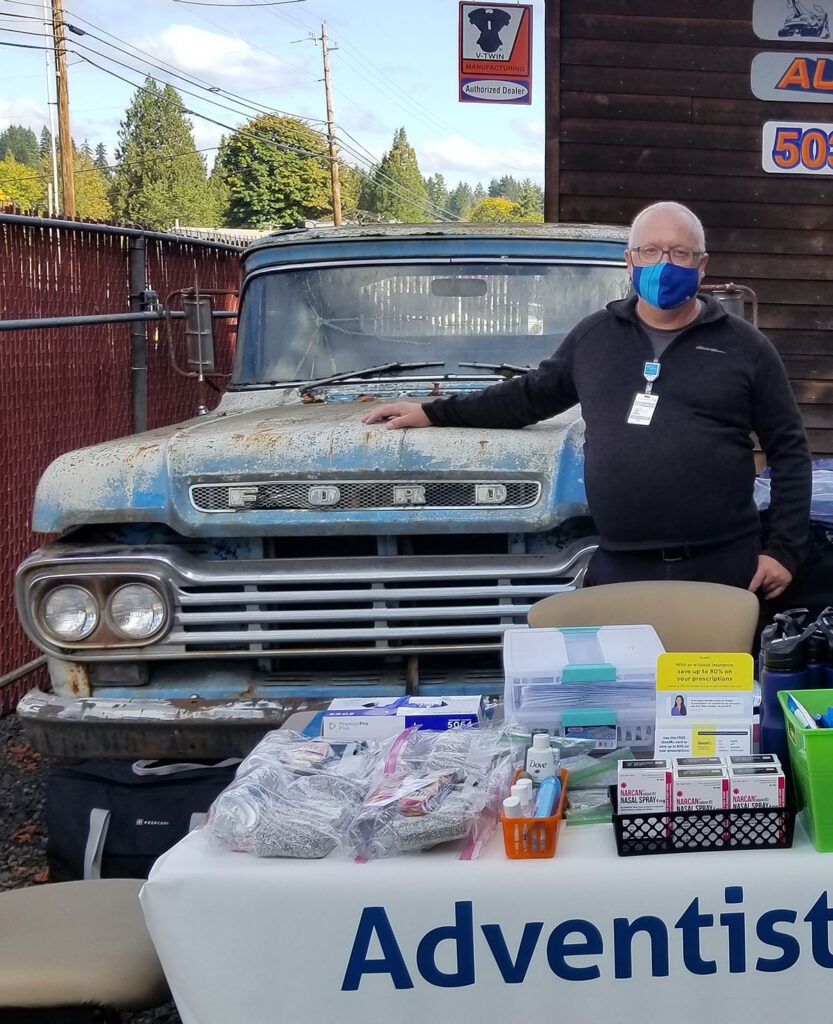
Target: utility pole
column 330, row 132
column 54, row 203
column 67, row 180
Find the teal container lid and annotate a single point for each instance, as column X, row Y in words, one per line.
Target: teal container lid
column 588, row 716
column 589, row 673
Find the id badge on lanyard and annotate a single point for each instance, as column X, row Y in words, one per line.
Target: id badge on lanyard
column 644, row 403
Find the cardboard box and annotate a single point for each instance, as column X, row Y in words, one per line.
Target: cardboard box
column 644, row 786
column 756, row 785
column 374, row 718
column 699, row 762
column 700, row 788
column 747, row 759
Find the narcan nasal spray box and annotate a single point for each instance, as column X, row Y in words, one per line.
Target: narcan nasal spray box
column 699, row 788
column 644, row 786
column 748, row 759
column 756, row 785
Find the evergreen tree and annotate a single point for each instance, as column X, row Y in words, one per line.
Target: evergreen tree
column 437, row 191
column 397, row 191
column 276, row 171
column 100, row 159
column 218, row 189
column 45, row 144
column 506, row 187
column 21, row 144
column 86, row 149
column 161, row 177
column 461, row 200
column 479, row 192
column 531, row 201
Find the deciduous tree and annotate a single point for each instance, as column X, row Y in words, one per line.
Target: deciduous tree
column 495, row 210
column 20, row 184
column 275, row 170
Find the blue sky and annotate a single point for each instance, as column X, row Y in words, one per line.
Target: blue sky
column 396, row 64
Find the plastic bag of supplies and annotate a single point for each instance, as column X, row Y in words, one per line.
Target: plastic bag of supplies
column 294, row 796
column 437, row 787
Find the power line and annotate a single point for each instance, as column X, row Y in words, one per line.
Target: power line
column 148, row 58
column 188, row 92
column 404, row 193
column 236, row 35
column 398, row 190
column 395, row 188
column 115, row 167
column 205, row 117
column 267, row 3
column 22, row 17
column 354, row 55
column 21, row 31
column 24, row 46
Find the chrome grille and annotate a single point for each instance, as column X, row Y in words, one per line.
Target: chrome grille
column 405, row 605
column 358, row 495
column 381, row 607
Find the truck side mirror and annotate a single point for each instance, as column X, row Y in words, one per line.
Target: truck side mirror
column 199, row 332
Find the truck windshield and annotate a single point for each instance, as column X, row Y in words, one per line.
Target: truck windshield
column 299, row 325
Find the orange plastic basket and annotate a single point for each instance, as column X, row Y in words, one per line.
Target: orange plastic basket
column 524, row 838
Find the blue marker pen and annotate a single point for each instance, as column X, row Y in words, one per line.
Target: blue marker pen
column 548, row 794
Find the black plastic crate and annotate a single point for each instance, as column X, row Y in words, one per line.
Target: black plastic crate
column 763, row 828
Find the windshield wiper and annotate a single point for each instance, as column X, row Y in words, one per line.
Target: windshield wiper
column 506, row 369
column 368, row 371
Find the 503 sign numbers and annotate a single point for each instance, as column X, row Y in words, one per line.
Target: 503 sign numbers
column 796, row 147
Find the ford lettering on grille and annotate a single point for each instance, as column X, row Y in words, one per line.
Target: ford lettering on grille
column 356, row 495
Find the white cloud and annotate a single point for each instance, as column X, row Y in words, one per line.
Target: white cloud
column 456, row 155
column 531, row 130
column 22, row 110
column 220, row 59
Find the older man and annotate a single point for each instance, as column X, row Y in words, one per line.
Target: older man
column 671, row 388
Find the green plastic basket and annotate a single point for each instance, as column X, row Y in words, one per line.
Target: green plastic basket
column 811, row 756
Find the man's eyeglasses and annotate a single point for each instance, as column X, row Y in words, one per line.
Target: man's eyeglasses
column 650, row 254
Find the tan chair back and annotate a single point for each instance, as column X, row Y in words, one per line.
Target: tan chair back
column 687, row 616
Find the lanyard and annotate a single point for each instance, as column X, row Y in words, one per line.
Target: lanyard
column 650, row 372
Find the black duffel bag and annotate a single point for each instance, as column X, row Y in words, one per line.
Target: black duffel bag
column 112, row 819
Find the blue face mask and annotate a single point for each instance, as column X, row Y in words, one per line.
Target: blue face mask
column 665, row 285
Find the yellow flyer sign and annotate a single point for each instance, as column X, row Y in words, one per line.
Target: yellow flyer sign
column 705, row 671
column 704, row 705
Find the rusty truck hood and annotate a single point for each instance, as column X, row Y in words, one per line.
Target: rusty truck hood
column 242, row 471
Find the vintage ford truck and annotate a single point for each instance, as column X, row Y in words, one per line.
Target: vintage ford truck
column 214, row 575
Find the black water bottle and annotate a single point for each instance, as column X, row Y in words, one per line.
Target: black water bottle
column 784, row 649
column 818, row 659
column 825, row 622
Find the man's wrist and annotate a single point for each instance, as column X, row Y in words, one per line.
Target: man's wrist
column 789, row 561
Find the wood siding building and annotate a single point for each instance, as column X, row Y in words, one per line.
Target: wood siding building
column 652, row 100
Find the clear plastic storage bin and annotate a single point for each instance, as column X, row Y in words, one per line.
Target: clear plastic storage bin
column 548, row 671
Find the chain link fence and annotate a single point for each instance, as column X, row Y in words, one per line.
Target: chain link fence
column 68, row 387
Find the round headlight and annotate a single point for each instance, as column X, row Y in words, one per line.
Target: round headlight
column 69, row 613
column 136, row 611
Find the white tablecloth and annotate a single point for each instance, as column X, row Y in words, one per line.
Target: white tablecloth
column 584, row 937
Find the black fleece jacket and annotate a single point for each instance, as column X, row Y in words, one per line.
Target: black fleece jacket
column 688, row 477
